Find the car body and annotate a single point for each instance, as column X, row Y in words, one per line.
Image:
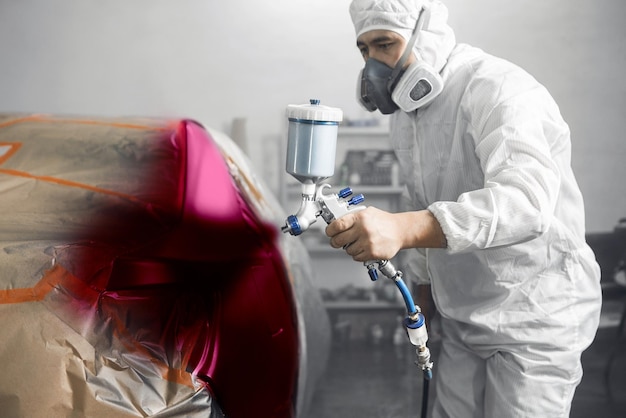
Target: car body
column 143, row 273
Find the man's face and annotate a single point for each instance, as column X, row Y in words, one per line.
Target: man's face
column 383, row 45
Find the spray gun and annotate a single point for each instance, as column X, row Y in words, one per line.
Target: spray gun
column 311, row 146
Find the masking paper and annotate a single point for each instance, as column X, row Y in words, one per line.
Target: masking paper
column 142, row 273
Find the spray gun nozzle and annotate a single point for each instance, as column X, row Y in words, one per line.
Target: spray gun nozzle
column 292, row 225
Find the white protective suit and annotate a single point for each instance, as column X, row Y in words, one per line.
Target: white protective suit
column 518, row 287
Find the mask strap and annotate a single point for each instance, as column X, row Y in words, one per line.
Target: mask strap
column 422, row 20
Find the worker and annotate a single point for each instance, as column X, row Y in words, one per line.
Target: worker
column 496, row 217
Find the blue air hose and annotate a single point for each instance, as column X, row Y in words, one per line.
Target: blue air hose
column 406, row 295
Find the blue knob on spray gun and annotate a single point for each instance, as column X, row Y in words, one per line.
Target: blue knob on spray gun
column 355, row 200
column 294, row 225
column 343, row 193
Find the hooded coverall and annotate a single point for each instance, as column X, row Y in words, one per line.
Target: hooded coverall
column 517, row 286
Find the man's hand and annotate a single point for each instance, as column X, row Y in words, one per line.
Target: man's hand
column 373, row 234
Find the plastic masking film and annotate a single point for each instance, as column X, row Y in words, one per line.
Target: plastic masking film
column 136, row 273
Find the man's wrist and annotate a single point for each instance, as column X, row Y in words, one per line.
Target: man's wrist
column 422, row 230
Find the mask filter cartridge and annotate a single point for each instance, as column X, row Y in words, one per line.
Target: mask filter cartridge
column 418, row 86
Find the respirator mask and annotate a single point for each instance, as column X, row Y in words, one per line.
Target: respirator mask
column 387, row 89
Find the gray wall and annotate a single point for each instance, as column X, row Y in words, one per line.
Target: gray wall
column 216, row 60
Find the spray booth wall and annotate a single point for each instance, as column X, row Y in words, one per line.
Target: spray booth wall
column 218, row 61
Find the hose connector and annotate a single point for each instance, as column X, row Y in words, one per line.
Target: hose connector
column 418, row 335
column 423, row 361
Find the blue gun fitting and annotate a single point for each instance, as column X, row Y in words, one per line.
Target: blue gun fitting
column 373, row 274
column 343, row 193
column 355, row 200
column 294, row 225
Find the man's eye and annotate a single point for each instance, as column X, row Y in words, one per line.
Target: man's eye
column 385, row 46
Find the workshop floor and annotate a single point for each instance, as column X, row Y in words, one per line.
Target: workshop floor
column 378, row 379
